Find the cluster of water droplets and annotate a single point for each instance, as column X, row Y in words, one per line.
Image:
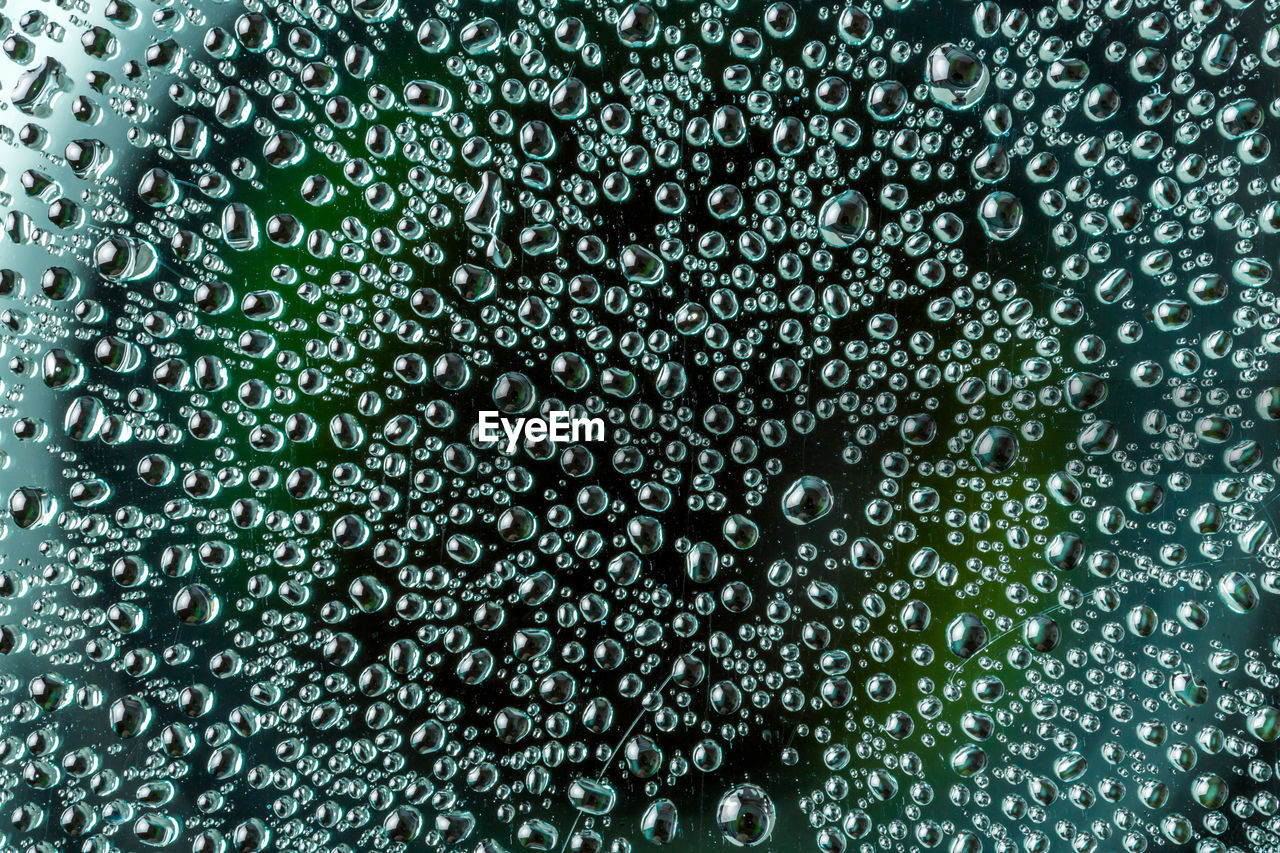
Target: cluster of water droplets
column 933, row 342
